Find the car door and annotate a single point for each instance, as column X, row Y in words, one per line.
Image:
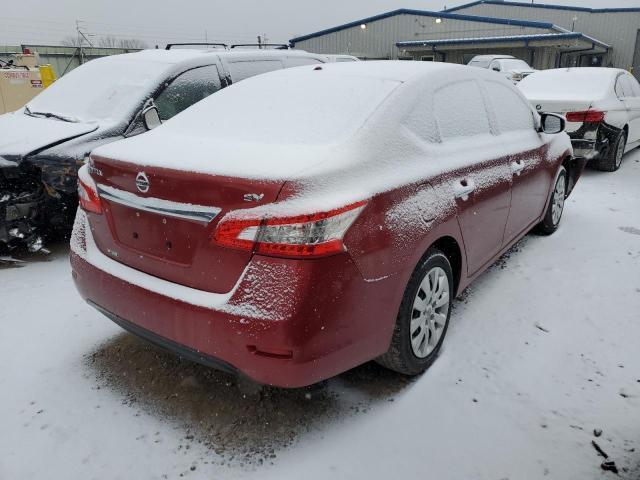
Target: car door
column 516, row 130
column 475, row 173
column 187, row 88
column 631, row 101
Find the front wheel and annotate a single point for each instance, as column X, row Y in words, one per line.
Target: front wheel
column 552, row 218
column 423, row 318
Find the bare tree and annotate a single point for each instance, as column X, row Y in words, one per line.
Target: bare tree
column 70, row 41
column 107, row 41
column 132, row 43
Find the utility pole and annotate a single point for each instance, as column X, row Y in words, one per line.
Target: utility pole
column 262, row 40
column 81, row 38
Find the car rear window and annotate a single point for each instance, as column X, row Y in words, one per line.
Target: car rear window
column 295, row 106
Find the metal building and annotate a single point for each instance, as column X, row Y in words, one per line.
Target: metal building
column 546, row 36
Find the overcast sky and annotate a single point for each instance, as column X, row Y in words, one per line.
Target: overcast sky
column 235, row 21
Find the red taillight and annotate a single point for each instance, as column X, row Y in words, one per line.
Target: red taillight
column 588, row 116
column 88, row 192
column 313, row 235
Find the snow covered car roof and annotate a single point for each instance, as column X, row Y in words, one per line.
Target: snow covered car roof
column 296, row 122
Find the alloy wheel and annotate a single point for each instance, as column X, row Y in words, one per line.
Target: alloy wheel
column 430, row 312
column 558, row 200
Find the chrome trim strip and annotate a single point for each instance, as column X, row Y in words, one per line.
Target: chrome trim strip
column 185, row 211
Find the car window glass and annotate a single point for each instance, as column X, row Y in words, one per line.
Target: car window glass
column 635, row 86
column 186, row 89
column 460, row 111
column 511, row 111
column 620, row 92
column 241, row 70
column 421, row 121
column 300, row 61
column 344, row 59
column 629, row 85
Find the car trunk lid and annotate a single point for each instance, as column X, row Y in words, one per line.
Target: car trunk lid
column 562, row 107
column 160, row 221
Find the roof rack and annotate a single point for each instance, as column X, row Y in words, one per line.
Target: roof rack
column 170, row 45
column 276, row 46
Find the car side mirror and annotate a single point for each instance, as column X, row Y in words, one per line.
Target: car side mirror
column 552, row 123
column 151, row 117
column 496, row 68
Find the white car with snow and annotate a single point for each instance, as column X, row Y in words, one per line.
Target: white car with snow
column 512, row 68
column 601, row 105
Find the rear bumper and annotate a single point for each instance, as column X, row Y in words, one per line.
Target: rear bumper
column 586, row 148
column 593, row 140
column 286, row 323
column 181, row 350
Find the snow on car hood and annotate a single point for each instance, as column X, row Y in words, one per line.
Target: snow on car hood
column 22, row 134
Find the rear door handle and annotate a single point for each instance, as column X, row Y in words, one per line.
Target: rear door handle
column 463, row 188
column 517, row 167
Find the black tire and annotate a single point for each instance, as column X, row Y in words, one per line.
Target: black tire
column 550, row 224
column 612, row 161
column 401, row 357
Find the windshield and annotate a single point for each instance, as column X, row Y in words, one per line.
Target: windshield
column 108, row 88
column 514, row 65
column 568, row 84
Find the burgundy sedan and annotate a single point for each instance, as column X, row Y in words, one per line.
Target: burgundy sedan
column 306, row 221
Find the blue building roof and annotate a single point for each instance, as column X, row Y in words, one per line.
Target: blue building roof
column 544, row 6
column 502, row 39
column 425, row 13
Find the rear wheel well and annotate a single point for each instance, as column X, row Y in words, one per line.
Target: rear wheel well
column 449, row 246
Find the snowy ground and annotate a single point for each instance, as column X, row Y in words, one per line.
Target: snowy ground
column 542, row 350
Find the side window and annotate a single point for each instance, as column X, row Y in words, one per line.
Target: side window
column 345, row 59
column 630, row 86
column 301, row 61
column 460, row 111
column 241, row 70
column 635, row 86
column 186, row 89
column 421, row 121
column 620, row 91
column 511, row 111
